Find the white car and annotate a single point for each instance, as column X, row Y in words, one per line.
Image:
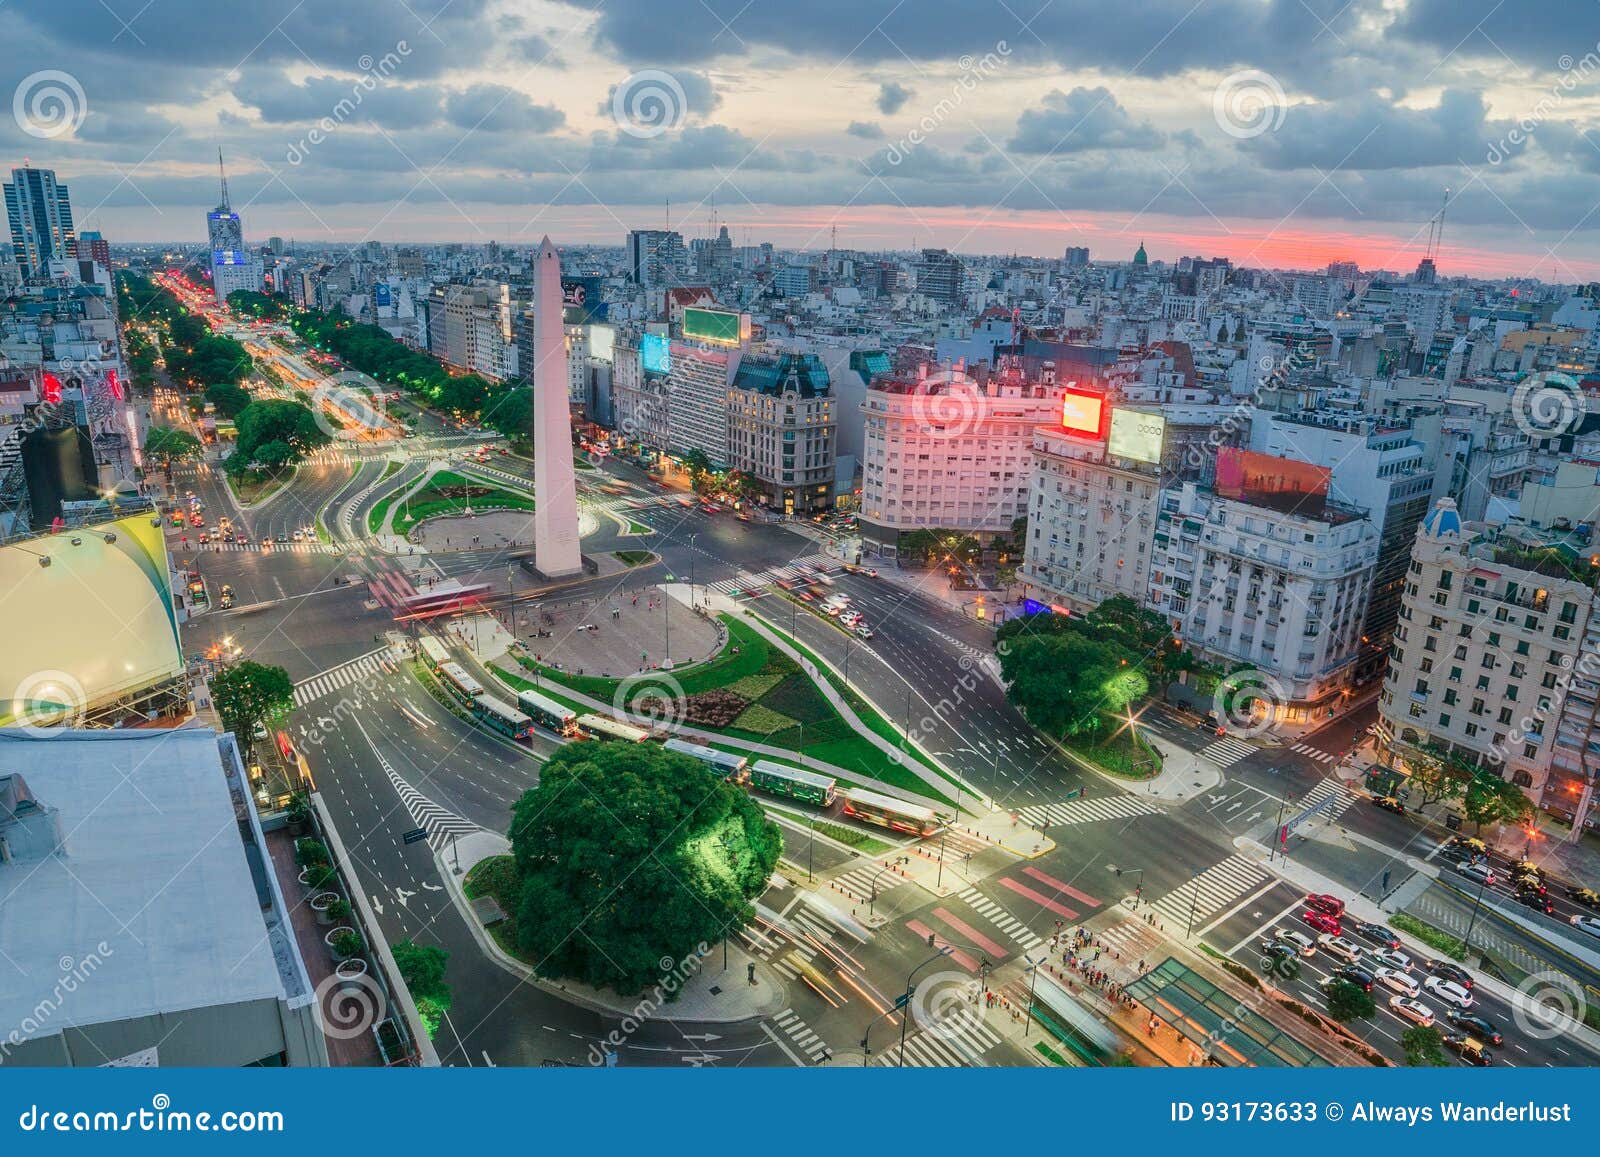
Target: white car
column 1448, row 991
column 1412, row 1010
column 1299, row 941
column 1346, row 950
column 299, row 536
column 1398, row 981
column 1589, row 924
column 1392, row 958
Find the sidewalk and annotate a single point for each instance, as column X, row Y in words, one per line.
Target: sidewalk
column 708, row 993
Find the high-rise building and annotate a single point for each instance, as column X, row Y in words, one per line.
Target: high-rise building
column 232, row 267
column 781, row 430
column 1076, row 257
column 939, row 276
column 656, row 257
column 276, row 245
column 93, row 247
column 40, row 215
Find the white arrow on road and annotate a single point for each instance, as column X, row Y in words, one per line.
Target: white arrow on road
column 401, row 895
column 1216, row 799
column 1253, row 817
column 377, row 905
column 699, row 1059
column 707, row 1037
column 1237, row 805
column 427, row 887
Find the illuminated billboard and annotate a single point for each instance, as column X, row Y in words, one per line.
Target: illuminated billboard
column 99, row 624
column 1137, row 435
column 655, row 354
column 1284, row 484
column 1083, row 412
column 716, row 325
column 602, row 342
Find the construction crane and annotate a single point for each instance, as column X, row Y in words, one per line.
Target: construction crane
column 1436, row 229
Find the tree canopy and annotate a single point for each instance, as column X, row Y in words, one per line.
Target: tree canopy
column 247, row 693
column 1424, row 1046
column 422, row 967
column 1348, row 1002
column 1489, row 799
column 170, row 444
column 228, row 399
column 272, row 433
column 629, row 855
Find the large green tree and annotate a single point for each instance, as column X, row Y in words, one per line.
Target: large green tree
column 1424, row 1046
column 1348, row 1002
column 1489, row 799
column 248, row 693
column 629, row 855
column 422, row 967
column 263, row 423
column 229, row 400
column 1066, row 682
column 169, row 444
column 510, row 412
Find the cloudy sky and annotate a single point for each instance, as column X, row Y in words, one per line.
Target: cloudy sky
column 1276, row 132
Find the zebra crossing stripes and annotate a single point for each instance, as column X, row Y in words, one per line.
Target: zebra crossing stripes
column 1001, row 919
column 331, row 680
column 1329, row 788
column 859, row 882
column 441, row 823
column 1227, row 751
column 788, row 966
column 1315, row 753
column 747, row 580
column 1084, row 811
column 1132, row 940
column 800, row 1033
column 958, row 1042
column 1213, row 891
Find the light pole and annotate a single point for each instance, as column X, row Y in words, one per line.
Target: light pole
column 692, row 537
column 872, row 885
column 1194, row 904
column 666, row 617
column 944, row 839
column 1138, row 891
column 1477, row 905
column 1033, row 976
column 811, row 844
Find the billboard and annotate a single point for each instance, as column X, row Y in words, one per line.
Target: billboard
column 1083, row 412
column 99, row 626
column 716, row 325
column 380, row 295
column 602, row 342
column 1137, row 435
column 655, row 354
column 1285, row 484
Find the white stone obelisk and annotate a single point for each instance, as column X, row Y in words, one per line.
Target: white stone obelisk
column 555, row 489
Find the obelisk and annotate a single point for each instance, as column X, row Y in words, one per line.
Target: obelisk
column 555, row 490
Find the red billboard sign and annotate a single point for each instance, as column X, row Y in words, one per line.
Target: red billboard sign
column 1284, row 484
column 1084, row 412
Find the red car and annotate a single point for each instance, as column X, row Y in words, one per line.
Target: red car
column 1321, row 921
column 1322, row 902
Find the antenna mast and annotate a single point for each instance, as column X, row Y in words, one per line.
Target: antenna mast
column 223, row 173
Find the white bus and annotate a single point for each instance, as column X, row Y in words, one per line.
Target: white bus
column 456, row 676
column 547, row 713
column 434, row 652
column 888, row 812
column 604, row 728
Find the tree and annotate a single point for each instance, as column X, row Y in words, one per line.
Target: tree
column 629, row 855
column 510, row 412
column 228, row 399
column 1437, row 776
column 422, row 967
column 274, row 420
column 248, row 694
column 697, row 464
column 1348, row 1002
column 1492, row 800
column 1064, row 682
column 170, row 445
column 1424, row 1046
column 274, row 455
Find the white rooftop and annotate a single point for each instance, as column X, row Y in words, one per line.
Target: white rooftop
column 153, row 887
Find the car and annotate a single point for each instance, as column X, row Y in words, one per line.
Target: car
column 203, row 539
column 227, row 589
column 1469, row 1049
column 1410, row 1009
column 1471, row 1022
column 1299, row 941
column 1322, row 902
column 864, row 631
column 1588, row 924
column 1393, row 978
column 1527, row 868
column 1477, row 873
column 1208, row 722
column 196, row 521
column 1321, row 921
column 266, row 540
column 1392, row 958
column 1449, row 971
column 283, row 538
column 1389, row 804
column 242, row 539
column 225, row 601
column 1529, row 884
column 1345, row 949
column 1275, row 954
column 1376, row 933
column 1588, row 897
column 1471, row 845
column 1448, row 991
column 1538, row 901
column 1357, row 976
column 298, row 536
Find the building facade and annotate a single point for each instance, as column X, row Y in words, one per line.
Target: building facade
column 39, row 212
column 782, row 427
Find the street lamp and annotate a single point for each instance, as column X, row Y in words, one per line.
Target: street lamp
column 872, row 885
column 692, row 537
column 1033, row 976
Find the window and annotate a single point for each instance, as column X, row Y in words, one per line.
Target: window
column 1444, row 721
column 1449, row 697
column 1530, row 751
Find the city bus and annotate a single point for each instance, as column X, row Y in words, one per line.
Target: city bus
column 502, row 717
column 604, row 728
column 456, row 676
column 726, row 764
column 547, row 713
column 805, row 786
column 888, row 812
column 434, row 652
column 445, row 598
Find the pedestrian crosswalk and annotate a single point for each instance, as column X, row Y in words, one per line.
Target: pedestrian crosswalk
column 1213, row 891
column 441, row 824
column 792, row 571
column 1329, row 789
column 277, row 547
column 804, row 1039
column 1130, row 942
column 861, row 881
column 1001, row 919
column 325, row 683
column 1227, row 751
column 1315, row 753
column 392, row 589
column 1084, row 811
column 960, row 1041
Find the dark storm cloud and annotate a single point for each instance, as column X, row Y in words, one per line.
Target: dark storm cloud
column 1085, row 118
column 493, row 108
column 1538, row 35
column 1370, row 133
column 892, row 97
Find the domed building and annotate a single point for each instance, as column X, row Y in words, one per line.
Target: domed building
column 1141, row 259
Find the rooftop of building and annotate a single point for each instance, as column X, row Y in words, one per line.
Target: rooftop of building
column 803, row 374
column 152, row 878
